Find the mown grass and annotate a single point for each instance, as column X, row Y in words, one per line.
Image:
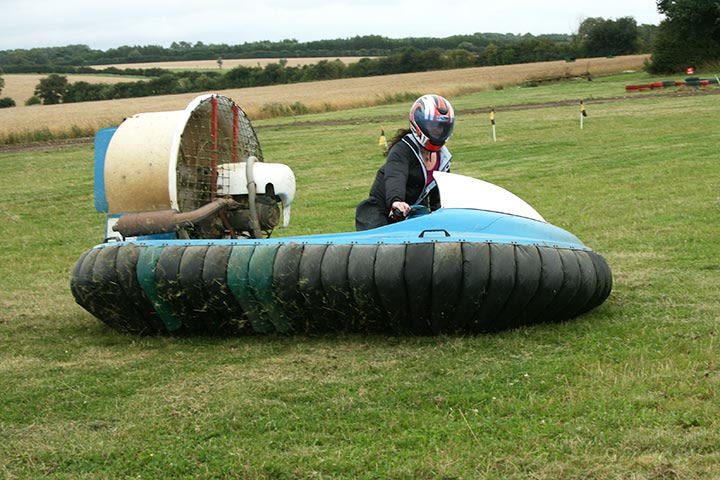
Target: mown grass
column 628, row 391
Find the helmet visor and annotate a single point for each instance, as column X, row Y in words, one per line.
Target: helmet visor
column 437, row 128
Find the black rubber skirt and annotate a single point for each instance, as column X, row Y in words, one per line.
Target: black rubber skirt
column 413, row 288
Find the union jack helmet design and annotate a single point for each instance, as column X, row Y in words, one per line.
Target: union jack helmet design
column 431, row 121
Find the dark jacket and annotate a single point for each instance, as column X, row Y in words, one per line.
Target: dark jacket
column 401, row 178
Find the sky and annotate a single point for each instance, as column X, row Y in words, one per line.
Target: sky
column 108, row 24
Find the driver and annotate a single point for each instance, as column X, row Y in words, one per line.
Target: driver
column 415, row 154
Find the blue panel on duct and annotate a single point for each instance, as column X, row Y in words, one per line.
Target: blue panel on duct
column 102, row 141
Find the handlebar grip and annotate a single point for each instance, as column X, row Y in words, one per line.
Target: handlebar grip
column 396, row 215
column 434, row 230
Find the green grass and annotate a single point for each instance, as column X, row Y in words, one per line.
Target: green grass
column 628, row 391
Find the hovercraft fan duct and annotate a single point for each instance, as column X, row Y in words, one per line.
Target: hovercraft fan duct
column 193, row 173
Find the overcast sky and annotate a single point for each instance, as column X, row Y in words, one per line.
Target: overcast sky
column 103, row 24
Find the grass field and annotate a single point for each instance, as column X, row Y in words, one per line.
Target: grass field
column 628, row 391
column 71, row 120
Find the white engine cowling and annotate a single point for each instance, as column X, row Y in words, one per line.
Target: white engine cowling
column 270, row 179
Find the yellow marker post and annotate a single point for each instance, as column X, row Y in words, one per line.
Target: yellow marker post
column 382, row 141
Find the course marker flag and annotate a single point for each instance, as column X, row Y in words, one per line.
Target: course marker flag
column 382, row 141
column 492, row 122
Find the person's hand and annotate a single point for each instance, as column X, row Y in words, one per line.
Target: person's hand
column 402, row 206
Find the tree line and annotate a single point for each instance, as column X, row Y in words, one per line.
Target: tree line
column 65, row 59
column 56, row 89
column 385, row 56
column 690, row 35
column 76, row 58
column 5, row 102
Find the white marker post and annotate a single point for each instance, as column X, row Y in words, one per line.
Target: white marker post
column 492, row 122
column 583, row 114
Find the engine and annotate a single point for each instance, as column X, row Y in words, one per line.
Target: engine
column 195, row 173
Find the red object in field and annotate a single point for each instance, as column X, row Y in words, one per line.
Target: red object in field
column 644, row 86
column 691, row 71
column 214, row 151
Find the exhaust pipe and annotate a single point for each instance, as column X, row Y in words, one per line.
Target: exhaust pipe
column 167, row 221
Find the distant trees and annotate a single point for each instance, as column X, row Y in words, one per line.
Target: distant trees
column 6, row 101
column 529, row 50
column 55, row 88
column 601, row 38
column 79, row 58
column 689, row 35
column 52, row 89
column 596, row 37
column 646, row 37
column 83, row 92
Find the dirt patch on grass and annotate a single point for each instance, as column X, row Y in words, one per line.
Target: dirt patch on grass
column 73, row 142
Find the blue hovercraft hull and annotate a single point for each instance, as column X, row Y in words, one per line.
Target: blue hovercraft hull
column 452, row 271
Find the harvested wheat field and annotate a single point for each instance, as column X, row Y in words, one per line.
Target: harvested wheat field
column 337, row 94
column 228, row 63
column 20, row 87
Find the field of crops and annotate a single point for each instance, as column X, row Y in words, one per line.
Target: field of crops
column 627, row 391
column 20, row 87
column 227, row 63
column 314, row 96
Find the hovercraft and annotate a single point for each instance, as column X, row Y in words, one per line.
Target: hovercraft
column 203, row 262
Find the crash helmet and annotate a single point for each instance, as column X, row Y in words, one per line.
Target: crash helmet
column 431, row 121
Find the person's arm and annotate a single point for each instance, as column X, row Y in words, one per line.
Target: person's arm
column 396, row 177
